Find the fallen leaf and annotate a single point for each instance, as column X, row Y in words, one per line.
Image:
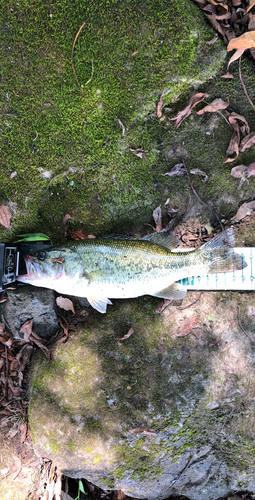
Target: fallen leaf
column 78, row 234
column 187, row 325
column 159, row 107
column 138, row 152
column 196, row 171
column 227, row 75
column 241, row 43
column 5, row 216
column 234, row 119
column 251, row 25
column 238, row 171
column 243, row 171
column 194, row 100
column 65, row 303
column 233, row 148
column 243, row 210
column 177, row 170
column 215, row 105
column 26, row 329
column 128, row 334
column 247, row 141
column 245, row 41
column 147, row 432
column 217, row 26
column 157, row 216
column 236, row 56
column 213, row 40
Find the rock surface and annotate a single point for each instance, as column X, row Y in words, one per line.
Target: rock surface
column 196, row 393
column 27, row 303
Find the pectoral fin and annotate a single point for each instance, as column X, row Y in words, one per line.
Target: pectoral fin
column 99, row 303
column 175, row 291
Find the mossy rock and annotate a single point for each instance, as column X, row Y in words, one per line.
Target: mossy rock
column 194, row 394
column 127, row 55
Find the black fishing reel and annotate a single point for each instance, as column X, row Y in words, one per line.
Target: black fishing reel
column 12, row 262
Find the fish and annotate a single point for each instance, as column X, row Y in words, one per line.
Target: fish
column 118, row 268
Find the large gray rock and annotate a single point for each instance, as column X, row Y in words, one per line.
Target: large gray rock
column 27, row 303
column 196, row 392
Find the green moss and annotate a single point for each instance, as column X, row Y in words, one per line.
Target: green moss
column 138, row 53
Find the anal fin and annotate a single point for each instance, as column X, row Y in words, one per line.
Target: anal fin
column 175, row 291
column 99, row 303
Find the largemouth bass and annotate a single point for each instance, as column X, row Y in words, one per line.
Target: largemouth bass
column 124, row 268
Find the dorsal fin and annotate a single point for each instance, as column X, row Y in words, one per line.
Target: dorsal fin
column 164, row 239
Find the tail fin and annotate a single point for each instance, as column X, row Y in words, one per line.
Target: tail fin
column 220, row 252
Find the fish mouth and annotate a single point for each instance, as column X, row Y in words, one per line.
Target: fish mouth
column 33, row 270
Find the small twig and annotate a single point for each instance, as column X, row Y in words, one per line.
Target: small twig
column 122, row 126
column 75, row 40
column 242, row 83
column 241, row 326
column 192, row 303
column 198, row 197
column 36, row 135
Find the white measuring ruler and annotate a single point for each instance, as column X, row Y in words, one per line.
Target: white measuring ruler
column 244, row 279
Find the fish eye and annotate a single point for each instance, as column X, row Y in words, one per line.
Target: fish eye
column 41, row 255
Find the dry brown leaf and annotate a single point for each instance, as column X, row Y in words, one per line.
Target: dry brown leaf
column 5, row 216
column 177, row 170
column 243, row 210
column 213, row 40
column 159, row 107
column 233, row 148
column 147, row 432
column 227, row 75
column 234, row 119
column 187, row 325
column 138, row 152
column 251, row 25
column 215, row 105
column 157, row 216
column 245, row 41
column 238, row 53
column 217, row 26
column 194, row 100
column 196, row 171
column 247, row 141
column 65, row 303
column 26, row 330
column 243, row 171
column 78, row 234
column 128, row 334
